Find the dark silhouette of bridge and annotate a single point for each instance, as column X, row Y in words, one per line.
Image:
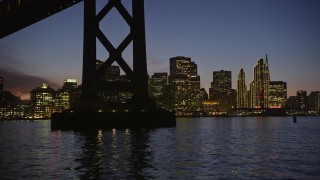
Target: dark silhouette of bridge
column 89, row 110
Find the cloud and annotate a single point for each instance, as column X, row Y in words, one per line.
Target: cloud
column 20, row 84
column 156, row 65
column 16, row 81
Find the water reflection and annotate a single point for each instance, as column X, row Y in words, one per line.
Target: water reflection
column 114, row 154
column 140, row 153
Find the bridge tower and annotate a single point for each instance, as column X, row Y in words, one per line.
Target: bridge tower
column 138, row 75
column 91, row 112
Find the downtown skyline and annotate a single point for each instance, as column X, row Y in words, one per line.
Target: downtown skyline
column 217, row 35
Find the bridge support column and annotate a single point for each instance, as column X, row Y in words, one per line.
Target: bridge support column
column 89, row 80
column 88, row 99
column 140, row 79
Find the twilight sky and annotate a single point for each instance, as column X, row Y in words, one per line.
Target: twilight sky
column 216, row 34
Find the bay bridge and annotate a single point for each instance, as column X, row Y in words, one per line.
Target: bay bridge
column 89, row 111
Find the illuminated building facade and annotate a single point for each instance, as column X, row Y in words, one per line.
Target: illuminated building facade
column 42, row 99
column 220, row 85
column 259, row 86
column 9, row 104
column 210, row 107
column 184, row 86
column 221, row 90
column 70, row 84
column 157, row 88
column 242, row 99
column 67, row 95
column 277, row 94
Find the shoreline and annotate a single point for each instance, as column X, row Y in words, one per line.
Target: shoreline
column 43, row 119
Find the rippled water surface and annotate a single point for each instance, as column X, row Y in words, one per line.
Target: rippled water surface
column 197, row 148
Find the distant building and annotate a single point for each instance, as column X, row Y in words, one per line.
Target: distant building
column 277, row 94
column 7, row 99
column 42, row 99
column 67, row 95
column 292, row 103
column 314, row 101
column 181, row 65
column 210, row 107
column 113, row 87
column 242, row 99
column 221, row 90
column 157, row 88
column 184, row 86
column 302, row 100
column 259, row 86
column 9, row 105
column 70, row 84
column 220, row 85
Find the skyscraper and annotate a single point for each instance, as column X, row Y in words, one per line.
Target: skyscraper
column 277, row 94
column 184, row 84
column 67, row 95
column 242, row 99
column 220, row 85
column 221, row 90
column 259, row 86
column 42, row 99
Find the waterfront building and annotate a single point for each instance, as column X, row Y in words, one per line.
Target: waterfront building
column 259, row 86
column 277, row 94
column 242, row 99
column 302, row 100
column 292, row 105
column 220, row 85
column 42, row 99
column 184, row 86
column 157, row 88
column 221, row 90
column 67, row 95
column 314, row 102
column 210, row 108
column 9, row 105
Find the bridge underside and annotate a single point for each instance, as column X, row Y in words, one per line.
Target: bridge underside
column 18, row 14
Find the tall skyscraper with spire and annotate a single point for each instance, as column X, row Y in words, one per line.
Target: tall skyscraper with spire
column 259, row 86
column 242, row 99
